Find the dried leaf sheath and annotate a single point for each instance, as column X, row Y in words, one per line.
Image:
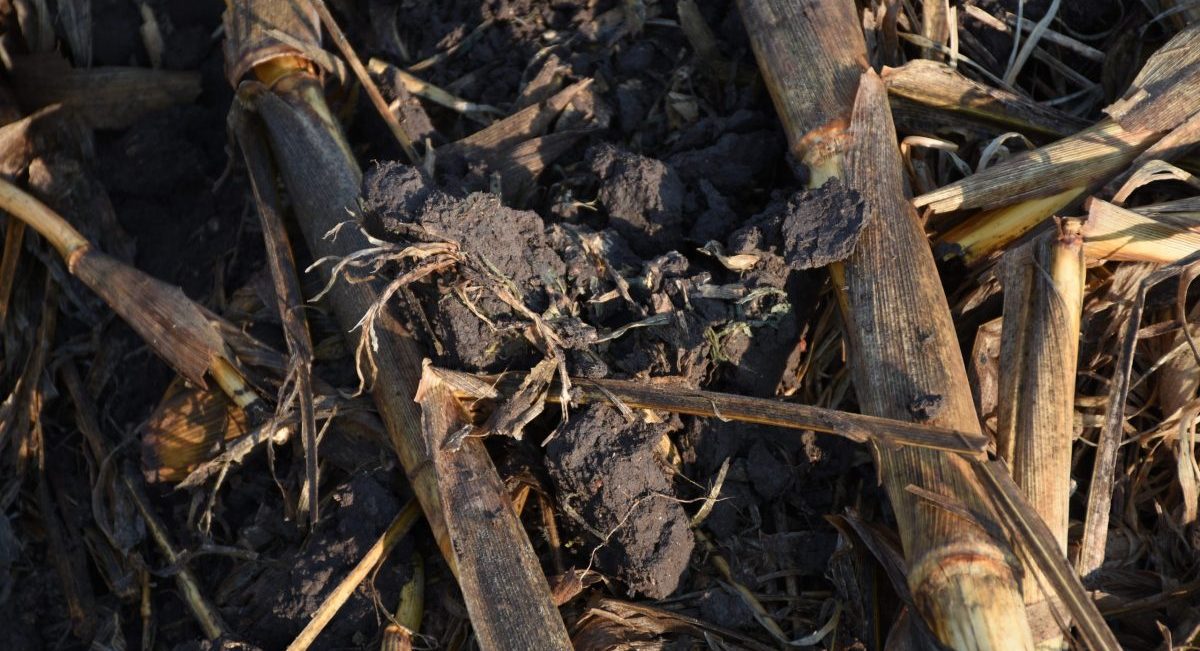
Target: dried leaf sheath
column 1043, row 291
column 1043, row 299
column 323, row 180
column 938, row 86
column 501, row 579
column 904, row 348
column 1115, row 233
column 898, row 324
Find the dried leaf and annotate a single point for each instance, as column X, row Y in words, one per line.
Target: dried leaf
column 1163, row 94
column 187, row 428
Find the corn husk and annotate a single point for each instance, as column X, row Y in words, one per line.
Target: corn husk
column 186, row 429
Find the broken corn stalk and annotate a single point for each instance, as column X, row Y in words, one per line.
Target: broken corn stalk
column 813, row 58
column 178, row 330
column 1021, row 192
column 1043, row 300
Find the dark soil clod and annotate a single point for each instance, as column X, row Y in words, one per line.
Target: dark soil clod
column 607, row 470
column 821, row 226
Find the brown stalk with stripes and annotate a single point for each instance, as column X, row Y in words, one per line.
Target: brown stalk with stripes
column 1043, row 300
column 898, row 327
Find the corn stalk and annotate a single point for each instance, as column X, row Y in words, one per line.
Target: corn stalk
column 904, row 349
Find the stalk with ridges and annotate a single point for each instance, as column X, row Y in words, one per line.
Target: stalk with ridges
column 902, row 340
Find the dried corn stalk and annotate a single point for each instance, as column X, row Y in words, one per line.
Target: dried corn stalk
column 323, row 180
column 906, row 363
column 1021, row 192
column 1043, row 299
column 935, row 85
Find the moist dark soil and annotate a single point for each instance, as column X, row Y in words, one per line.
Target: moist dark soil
column 277, row 603
column 606, row 468
column 633, row 195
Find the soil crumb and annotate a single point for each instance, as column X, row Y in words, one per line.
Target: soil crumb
column 606, row 469
column 281, row 600
column 513, row 241
column 726, row 610
column 643, row 197
column 821, row 226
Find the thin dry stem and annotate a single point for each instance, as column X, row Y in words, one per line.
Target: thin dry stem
column 368, row 84
column 396, row 531
column 860, row 428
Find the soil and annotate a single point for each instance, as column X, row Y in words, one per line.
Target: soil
column 821, row 226
column 277, row 604
column 635, row 196
column 643, row 198
column 606, row 469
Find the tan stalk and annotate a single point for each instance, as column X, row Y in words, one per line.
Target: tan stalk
column 502, row 583
column 1115, row 233
column 938, row 86
column 987, row 232
column 902, row 341
column 368, row 84
column 935, row 25
column 14, row 237
column 1043, row 300
column 288, row 297
column 397, row 636
column 1160, row 100
column 421, row 88
column 1087, row 158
